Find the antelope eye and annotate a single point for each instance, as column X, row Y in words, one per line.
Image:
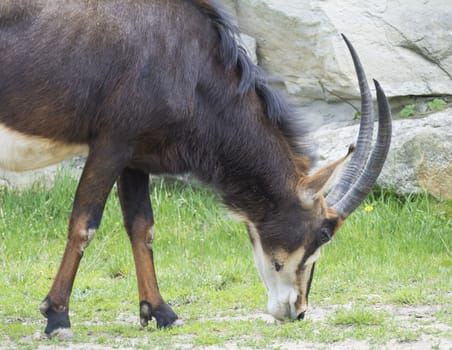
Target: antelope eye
column 278, row 266
column 325, row 234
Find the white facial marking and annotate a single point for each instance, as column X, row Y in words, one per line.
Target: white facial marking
column 237, row 216
column 313, row 258
column 282, row 286
column 20, row 152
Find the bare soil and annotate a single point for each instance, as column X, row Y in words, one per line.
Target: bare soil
column 434, row 334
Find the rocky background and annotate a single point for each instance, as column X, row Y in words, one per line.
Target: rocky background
column 405, row 45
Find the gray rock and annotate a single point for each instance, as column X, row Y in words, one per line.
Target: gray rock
column 16, row 180
column 249, row 44
column 405, row 45
column 420, row 158
column 44, row 177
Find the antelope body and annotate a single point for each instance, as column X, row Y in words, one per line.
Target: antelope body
column 161, row 87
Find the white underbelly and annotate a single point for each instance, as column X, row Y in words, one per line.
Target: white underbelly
column 21, row 152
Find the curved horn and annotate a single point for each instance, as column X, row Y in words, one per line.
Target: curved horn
column 361, row 154
column 364, row 184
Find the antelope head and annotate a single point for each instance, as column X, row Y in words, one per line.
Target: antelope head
column 287, row 244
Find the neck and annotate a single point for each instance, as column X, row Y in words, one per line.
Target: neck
column 251, row 167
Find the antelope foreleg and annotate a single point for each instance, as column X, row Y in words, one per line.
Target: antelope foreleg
column 133, row 188
column 55, row 306
column 102, row 168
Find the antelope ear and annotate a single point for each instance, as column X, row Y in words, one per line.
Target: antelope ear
column 311, row 187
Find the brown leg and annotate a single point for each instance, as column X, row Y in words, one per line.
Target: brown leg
column 101, row 170
column 133, row 188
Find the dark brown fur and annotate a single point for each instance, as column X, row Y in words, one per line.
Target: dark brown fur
column 155, row 74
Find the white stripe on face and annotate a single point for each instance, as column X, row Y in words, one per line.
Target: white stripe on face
column 286, row 285
column 313, row 258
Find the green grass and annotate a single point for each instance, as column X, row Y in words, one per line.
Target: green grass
column 358, row 317
column 393, row 251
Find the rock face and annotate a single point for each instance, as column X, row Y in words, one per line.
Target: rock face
column 44, row 176
column 405, row 45
column 420, row 158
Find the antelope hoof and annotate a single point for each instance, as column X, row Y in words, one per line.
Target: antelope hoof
column 60, row 334
column 163, row 314
column 58, row 324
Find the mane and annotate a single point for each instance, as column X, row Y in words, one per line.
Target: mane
column 279, row 111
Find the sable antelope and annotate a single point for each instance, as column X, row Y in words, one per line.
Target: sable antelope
column 162, row 87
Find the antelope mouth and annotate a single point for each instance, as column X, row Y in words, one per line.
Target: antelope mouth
column 301, row 316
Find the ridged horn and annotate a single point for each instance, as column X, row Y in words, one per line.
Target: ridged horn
column 363, row 145
column 366, row 180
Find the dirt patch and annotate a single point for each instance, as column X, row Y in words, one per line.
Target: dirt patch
column 434, row 334
column 431, row 332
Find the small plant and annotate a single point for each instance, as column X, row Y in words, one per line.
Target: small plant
column 437, row 104
column 408, row 111
column 406, row 296
column 407, row 336
column 358, row 317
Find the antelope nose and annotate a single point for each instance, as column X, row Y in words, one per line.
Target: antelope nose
column 300, row 316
